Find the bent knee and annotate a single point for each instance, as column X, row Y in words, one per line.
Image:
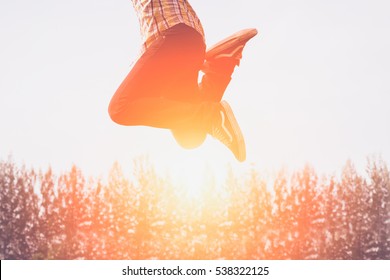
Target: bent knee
column 123, row 116
column 115, row 114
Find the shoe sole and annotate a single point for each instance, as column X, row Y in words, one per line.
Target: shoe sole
column 237, row 131
column 236, row 39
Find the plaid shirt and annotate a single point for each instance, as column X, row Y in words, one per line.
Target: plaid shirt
column 156, row 16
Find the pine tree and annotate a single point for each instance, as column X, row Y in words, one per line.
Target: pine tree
column 49, row 221
column 280, row 236
column 378, row 244
column 353, row 187
column 150, row 218
column 260, row 211
column 19, row 212
column 73, row 215
column 118, row 216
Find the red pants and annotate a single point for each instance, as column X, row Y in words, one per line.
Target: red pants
column 162, row 88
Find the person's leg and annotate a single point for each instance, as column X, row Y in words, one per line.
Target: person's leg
column 218, row 67
column 217, row 78
column 157, row 93
column 161, row 90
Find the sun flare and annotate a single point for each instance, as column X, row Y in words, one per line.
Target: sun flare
column 195, row 172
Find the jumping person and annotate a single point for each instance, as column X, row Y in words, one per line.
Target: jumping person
column 162, row 88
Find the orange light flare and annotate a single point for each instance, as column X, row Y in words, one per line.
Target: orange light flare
column 199, row 176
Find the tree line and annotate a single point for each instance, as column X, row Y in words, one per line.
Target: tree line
column 300, row 216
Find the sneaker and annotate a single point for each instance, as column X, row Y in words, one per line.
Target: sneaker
column 226, row 129
column 234, row 53
column 231, row 46
column 228, row 50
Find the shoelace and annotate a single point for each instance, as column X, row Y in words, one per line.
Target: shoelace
column 218, row 134
column 222, row 133
column 235, row 54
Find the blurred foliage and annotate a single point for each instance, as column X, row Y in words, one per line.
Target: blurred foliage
column 300, row 216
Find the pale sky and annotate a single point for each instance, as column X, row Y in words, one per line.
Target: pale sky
column 313, row 87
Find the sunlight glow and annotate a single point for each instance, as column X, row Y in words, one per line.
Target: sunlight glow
column 194, row 171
